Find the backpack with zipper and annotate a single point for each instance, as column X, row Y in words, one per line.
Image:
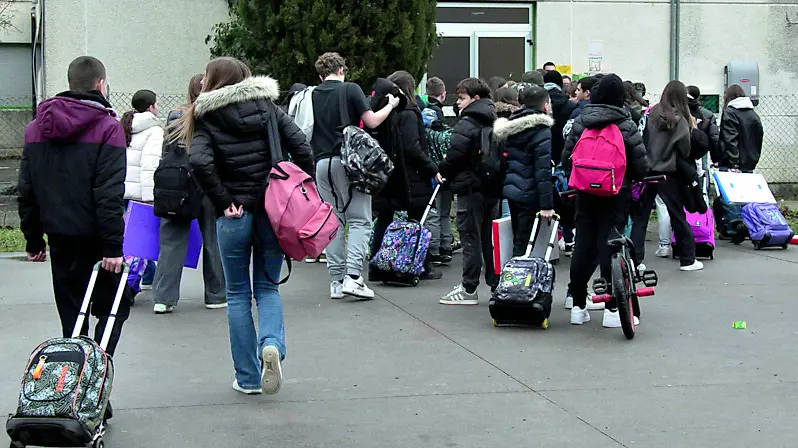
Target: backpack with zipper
column 491, row 165
column 177, row 195
column 598, row 162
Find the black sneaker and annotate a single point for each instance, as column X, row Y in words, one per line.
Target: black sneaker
column 569, row 249
column 432, row 274
column 446, row 253
column 439, row 260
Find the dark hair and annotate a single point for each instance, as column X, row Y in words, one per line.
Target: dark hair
column 142, row 100
column 587, row 83
column 329, row 64
column 694, row 91
column 672, row 105
column 632, row 95
column 534, row 97
column 435, row 86
column 194, row 88
column 548, row 64
column 506, row 95
column 732, row 93
column 570, row 90
column 84, row 73
column 406, row 83
column 496, row 82
column 553, row 76
column 569, row 79
column 473, row 87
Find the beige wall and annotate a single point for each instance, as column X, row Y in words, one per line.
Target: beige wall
column 19, row 12
column 144, row 44
column 636, row 39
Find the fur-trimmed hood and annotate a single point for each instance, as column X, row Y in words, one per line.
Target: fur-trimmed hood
column 254, row 88
column 504, row 128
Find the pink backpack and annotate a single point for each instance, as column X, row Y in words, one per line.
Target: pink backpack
column 599, row 162
column 303, row 223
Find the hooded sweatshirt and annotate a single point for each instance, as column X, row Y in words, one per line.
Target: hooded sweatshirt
column 741, row 135
column 72, row 173
column 143, row 156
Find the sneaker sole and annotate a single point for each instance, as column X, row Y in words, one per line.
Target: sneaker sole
column 163, row 311
column 241, row 390
column 271, row 379
column 215, row 306
column 359, row 296
column 460, row 302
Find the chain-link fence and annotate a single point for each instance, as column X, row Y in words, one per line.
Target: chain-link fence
column 166, row 102
column 15, row 113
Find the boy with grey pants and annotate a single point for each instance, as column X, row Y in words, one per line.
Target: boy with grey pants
column 346, row 254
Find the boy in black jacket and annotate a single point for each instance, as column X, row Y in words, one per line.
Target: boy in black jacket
column 528, row 186
column 596, row 216
column 477, row 199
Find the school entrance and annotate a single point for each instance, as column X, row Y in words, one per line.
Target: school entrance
column 482, row 40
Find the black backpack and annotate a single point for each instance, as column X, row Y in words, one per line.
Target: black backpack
column 491, row 165
column 177, row 195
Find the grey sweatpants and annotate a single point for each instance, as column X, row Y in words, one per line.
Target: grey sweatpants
column 174, row 244
column 440, row 223
column 346, row 254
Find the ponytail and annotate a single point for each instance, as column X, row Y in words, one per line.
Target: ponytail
column 127, row 126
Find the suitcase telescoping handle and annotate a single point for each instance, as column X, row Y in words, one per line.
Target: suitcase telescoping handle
column 84, row 307
column 429, row 205
column 555, row 223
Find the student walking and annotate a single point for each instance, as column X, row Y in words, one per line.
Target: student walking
column 230, row 155
column 175, row 231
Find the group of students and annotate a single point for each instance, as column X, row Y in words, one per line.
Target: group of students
column 220, row 130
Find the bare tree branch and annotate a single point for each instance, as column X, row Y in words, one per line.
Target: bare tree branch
column 6, row 18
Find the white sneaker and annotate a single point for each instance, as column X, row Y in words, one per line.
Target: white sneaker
column 579, row 316
column 238, row 388
column 569, row 300
column 216, row 306
column 336, row 290
column 591, row 306
column 664, row 252
column 611, row 319
column 159, row 308
column 696, row 266
column 640, row 269
column 357, row 288
column 637, row 321
column 459, row 296
column 271, row 372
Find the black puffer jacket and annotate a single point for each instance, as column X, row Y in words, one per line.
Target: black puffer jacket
column 741, row 136
column 597, row 116
column 403, row 138
column 230, row 153
column 562, row 108
column 459, row 167
column 707, row 126
column 528, row 143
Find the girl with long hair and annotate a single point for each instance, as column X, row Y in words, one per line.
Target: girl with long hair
column 174, row 234
column 229, row 151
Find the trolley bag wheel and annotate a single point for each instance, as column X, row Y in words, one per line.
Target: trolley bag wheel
column 416, row 280
column 621, row 290
column 545, row 324
column 495, row 324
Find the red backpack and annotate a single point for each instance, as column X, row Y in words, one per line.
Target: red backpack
column 599, row 162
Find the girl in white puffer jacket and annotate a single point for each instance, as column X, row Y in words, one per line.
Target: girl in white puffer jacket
column 144, row 136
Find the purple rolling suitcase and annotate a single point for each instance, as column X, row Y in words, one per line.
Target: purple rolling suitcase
column 766, row 225
column 703, row 225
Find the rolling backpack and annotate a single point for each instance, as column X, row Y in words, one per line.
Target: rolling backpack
column 703, row 227
column 766, row 225
column 598, row 162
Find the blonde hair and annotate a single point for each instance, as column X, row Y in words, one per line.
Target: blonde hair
column 219, row 72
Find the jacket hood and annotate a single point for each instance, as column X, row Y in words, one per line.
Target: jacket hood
column 741, row 103
column 382, row 87
column 254, row 88
column 143, row 121
column 599, row 115
column 506, row 107
column 482, row 110
column 519, row 122
column 66, row 119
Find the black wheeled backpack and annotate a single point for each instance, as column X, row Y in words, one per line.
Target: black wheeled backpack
column 177, row 195
column 526, row 284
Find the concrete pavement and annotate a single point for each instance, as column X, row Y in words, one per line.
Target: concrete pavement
column 404, row 371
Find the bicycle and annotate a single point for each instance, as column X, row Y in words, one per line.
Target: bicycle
column 624, row 276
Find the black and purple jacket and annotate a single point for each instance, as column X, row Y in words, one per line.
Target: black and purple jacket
column 72, row 174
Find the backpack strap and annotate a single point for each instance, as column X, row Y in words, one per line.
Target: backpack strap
column 343, row 107
column 273, row 138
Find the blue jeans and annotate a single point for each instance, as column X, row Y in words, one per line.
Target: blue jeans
column 505, row 208
column 149, row 273
column 240, row 239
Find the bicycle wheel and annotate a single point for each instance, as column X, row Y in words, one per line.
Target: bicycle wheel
column 622, row 291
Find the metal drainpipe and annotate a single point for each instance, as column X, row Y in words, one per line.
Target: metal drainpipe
column 674, row 38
